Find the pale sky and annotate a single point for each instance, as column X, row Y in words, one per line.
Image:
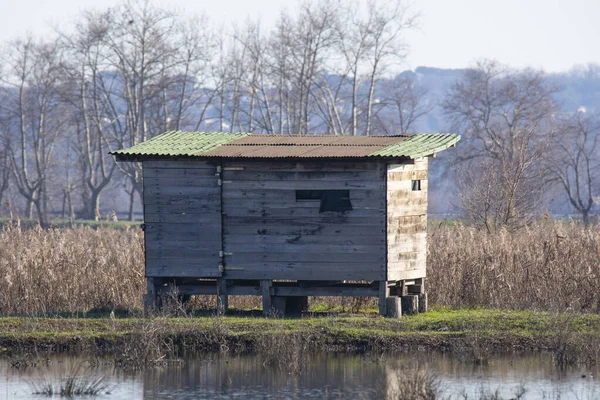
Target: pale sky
column 551, row 34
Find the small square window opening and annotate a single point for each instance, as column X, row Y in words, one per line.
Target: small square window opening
column 416, row 185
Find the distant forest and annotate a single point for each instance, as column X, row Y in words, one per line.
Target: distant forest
column 120, row 76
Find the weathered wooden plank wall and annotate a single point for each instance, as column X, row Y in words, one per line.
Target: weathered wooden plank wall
column 182, row 217
column 406, row 220
column 268, row 234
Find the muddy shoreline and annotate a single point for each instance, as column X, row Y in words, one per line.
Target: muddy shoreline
column 470, row 335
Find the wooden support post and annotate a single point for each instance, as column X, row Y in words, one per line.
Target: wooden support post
column 289, row 306
column 265, row 288
column 278, row 306
column 384, row 293
column 402, row 288
column 295, row 306
column 410, row 304
column 222, row 297
column 150, row 296
column 393, row 307
column 417, row 288
column 423, row 303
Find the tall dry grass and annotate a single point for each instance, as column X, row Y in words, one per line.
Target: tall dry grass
column 550, row 265
column 70, row 270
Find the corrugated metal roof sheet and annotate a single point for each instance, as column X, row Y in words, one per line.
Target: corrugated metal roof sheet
column 419, row 145
column 291, row 151
column 244, row 145
column 284, row 140
column 177, row 143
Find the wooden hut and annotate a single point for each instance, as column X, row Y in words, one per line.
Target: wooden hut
column 286, row 217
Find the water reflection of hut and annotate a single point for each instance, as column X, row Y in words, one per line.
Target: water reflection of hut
column 286, row 217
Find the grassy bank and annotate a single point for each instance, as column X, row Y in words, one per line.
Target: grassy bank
column 472, row 335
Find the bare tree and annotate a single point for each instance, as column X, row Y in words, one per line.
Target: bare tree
column 507, row 120
column 86, row 96
column 140, row 49
column 236, row 71
column 186, row 90
column 329, row 97
column 302, row 45
column 407, row 99
column 278, row 61
column 387, row 22
column 32, row 94
column 259, row 112
column 354, row 31
column 575, row 162
column 5, row 167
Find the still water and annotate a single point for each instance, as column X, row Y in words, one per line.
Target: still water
column 324, row 376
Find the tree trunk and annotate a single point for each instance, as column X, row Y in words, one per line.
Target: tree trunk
column 370, row 98
column 131, row 202
column 42, row 218
column 70, row 204
column 44, row 203
column 354, row 104
column 585, row 216
column 92, row 206
column 29, row 209
column 96, row 202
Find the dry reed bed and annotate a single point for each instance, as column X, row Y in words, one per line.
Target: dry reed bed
column 551, row 265
column 70, row 270
column 548, row 266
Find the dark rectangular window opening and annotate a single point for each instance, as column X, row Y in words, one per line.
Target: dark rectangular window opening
column 416, row 185
column 330, row 200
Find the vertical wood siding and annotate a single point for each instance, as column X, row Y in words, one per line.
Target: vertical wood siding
column 182, row 217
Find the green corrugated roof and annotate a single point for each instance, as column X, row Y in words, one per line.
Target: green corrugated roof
column 419, row 145
column 178, row 143
column 196, row 144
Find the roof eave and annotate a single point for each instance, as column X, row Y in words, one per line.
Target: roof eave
column 119, row 157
